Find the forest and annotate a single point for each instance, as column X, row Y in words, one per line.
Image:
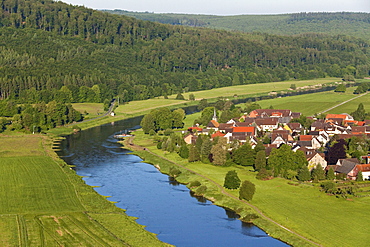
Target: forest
column 54, row 51
column 333, row 23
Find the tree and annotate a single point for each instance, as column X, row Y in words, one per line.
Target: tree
column 179, row 96
column 203, row 103
column 184, row 151
column 205, row 150
column 318, row 173
column 193, row 154
column 244, row 155
column 341, row 88
column 336, row 151
column 147, row 123
column 191, row 97
column 293, row 86
column 247, row 190
column 260, row 161
column 330, row 174
column 360, row 113
column 218, row 152
column 304, row 174
column 178, row 116
column 359, row 176
column 232, row 180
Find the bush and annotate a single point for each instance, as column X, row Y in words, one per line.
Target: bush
column 247, row 190
column 174, row 172
column 201, row 190
column 159, row 145
column 264, row 174
column 179, row 96
column 195, row 183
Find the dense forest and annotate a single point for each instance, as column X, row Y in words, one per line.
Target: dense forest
column 54, row 51
column 347, row 23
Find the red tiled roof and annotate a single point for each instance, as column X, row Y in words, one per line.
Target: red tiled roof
column 363, row 167
column 305, row 137
column 244, row 129
column 218, row 133
column 195, row 128
column 331, row 116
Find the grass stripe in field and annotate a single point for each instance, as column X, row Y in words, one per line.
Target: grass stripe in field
column 35, row 184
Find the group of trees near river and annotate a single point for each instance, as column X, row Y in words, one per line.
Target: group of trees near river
column 51, row 50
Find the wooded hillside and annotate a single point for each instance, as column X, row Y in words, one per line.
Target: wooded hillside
column 52, row 50
column 345, row 23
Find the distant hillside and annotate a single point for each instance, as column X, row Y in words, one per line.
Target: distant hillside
column 345, row 23
column 52, row 50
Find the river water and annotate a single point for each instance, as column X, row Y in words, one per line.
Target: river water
column 161, row 204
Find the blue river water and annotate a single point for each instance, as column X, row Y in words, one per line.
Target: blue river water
column 164, row 206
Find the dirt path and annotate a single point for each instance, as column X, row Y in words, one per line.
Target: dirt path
column 344, row 102
column 222, row 189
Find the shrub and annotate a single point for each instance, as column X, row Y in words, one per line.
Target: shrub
column 174, row 172
column 201, row 190
column 195, row 183
column 159, row 145
column 264, row 174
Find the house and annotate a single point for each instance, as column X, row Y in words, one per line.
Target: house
column 365, row 169
column 213, row 124
column 312, row 140
column 322, row 136
column 265, row 113
column 217, row 134
column 226, row 127
column 267, row 124
column 281, row 136
column 296, row 128
column 347, row 167
column 251, row 130
column 314, row 158
column 190, row 138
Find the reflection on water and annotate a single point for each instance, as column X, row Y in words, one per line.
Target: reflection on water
column 160, row 202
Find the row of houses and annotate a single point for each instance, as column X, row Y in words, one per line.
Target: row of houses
column 278, row 126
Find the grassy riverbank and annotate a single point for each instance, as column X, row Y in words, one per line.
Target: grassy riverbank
column 300, row 207
column 44, row 202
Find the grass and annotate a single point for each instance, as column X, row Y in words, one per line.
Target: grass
column 301, row 207
column 44, row 203
column 242, row 91
column 93, row 109
column 309, row 104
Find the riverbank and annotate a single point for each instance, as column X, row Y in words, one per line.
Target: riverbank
column 297, row 213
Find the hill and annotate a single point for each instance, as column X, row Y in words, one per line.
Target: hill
column 52, row 50
column 340, row 23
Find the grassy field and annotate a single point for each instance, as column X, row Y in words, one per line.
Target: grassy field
column 309, row 104
column 92, row 109
column 242, row 91
column 299, row 207
column 44, row 203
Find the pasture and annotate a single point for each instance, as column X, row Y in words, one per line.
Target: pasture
column 309, row 104
column 242, row 91
column 44, row 203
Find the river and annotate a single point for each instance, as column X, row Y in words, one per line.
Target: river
column 164, row 206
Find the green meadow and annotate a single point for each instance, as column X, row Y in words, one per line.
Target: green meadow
column 300, row 207
column 309, row 104
column 44, row 203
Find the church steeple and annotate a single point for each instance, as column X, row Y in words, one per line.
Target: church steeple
column 214, row 115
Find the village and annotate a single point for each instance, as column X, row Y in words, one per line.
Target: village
column 278, row 127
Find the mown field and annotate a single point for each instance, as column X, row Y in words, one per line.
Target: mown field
column 302, row 208
column 250, row 90
column 44, row 203
column 309, row 104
